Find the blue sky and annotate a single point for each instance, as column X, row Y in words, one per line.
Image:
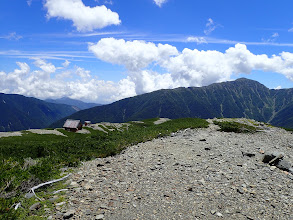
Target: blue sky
column 105, row 50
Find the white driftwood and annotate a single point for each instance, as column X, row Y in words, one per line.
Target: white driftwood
column 46, row 183
column 17, row 206
column 60, row 190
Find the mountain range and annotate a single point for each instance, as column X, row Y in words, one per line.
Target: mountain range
column 18, row 112
column 76, row 103
column 233, row 99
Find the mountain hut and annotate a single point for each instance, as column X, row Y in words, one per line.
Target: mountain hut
column 72, row 125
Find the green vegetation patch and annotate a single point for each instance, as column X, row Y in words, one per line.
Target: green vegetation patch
column 33, row 158
column 235, row 127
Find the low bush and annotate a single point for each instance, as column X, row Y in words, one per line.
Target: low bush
column 235, row 127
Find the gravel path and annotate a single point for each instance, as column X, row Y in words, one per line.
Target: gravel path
column 35, row 131
column 10, row 134
column 194, row 174
column 161, row 120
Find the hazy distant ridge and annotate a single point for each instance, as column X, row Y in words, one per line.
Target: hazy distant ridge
column 79, row 104
column 18, row 112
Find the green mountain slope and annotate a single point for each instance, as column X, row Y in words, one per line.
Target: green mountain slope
column 18, row 112
column 239, row 98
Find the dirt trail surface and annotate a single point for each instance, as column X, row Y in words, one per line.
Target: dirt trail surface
column 194, row 174
column 10, row 134
column 35, row 131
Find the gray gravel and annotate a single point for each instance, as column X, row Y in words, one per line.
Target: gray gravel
column 194, row 174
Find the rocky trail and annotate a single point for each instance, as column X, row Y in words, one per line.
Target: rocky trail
column 193, row 174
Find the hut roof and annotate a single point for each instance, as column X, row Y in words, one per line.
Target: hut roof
column 71, row 123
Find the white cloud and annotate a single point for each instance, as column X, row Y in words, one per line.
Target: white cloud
column 11, row 36
column 272, row 38
column 160, row 2
column 29, row 2
column 66, row 63
column 210, row 26
column 82, row 73
column 46, row 67
column 135, row 55
column 84, row 18
column 275, row 35
column 198, row 40
column 75, row 83
column 278, row 87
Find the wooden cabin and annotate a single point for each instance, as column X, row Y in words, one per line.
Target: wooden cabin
column 72, row 125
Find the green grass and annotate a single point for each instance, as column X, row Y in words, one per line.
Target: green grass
column 235, row 127
column 32, row 158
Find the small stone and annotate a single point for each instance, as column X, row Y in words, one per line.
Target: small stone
column 203, row 139
column 274, row 156
column 88, row 187
column 240, row 190
column 60, row 203
column 35, row 206
column 104, row 207
column 245, row 154
column 99, row 217
column 50, row 217
column 74, row 184
column 213, row 212
column 29, row 195
column 219, row 214
column 284, row 165
column 68, row 214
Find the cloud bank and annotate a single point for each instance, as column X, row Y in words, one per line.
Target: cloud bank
column 149, row 67
column 76, row 83
column 84, row 18
column 186, row 68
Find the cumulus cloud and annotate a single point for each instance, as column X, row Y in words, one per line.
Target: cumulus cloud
column 186, row 68
column 278, row 87
column 46, row 67
column 160, row 2
column 84, row 18
column 134, row 55
column 76, row 83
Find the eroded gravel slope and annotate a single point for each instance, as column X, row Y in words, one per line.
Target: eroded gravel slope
column 196, row 174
